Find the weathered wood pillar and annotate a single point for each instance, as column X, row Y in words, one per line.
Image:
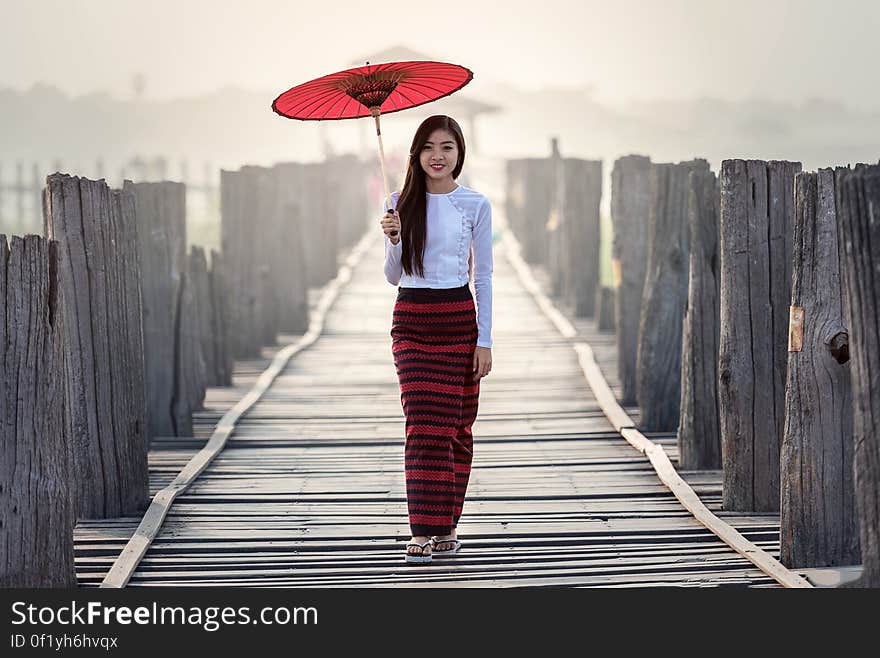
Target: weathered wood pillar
column 106, row 406
column 757, row 210
column 664, row 298
column 237, row 231
column 320, row 218
column 161, row 220
column 262, row 225
column 515, row 195
column 269, row 298
column 127, row 343
column 359, row 211
column 337, row 190
column 557, row 257
column 575, row 265
column 818, row 521
column 263, row 245
column 295, row 317
column 222, row 360
column 204, row 326
column 858, row 201
column 605, row 308
column 189, row 376
column 36, row 502
column 349, row 192
column 291, row 271
column 699, row 432
column 630, row 201
column 538, row 189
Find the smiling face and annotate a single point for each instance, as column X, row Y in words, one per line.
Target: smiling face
column 442, row 149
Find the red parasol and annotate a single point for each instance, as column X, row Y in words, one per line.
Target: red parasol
column 371, row 90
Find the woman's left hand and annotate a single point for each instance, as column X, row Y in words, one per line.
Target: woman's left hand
column 482, row 362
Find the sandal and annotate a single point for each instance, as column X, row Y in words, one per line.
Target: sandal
column 448, row 551
column 418, row 558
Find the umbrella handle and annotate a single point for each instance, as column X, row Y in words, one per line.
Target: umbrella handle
column 376, row 111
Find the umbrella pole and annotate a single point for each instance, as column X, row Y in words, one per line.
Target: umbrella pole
column 376, row 112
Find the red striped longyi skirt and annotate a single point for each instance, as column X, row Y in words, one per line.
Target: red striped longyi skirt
column 434, row 336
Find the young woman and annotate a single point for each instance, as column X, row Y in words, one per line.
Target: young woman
column 438, row 236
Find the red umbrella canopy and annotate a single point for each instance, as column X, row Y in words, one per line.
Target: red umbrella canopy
column 391, row 86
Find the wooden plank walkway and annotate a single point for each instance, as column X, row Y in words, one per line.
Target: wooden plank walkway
column 309, row 490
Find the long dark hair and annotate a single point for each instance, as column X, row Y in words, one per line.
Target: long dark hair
column 412, row 204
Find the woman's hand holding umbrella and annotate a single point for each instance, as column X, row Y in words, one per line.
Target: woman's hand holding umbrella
column 391, row 225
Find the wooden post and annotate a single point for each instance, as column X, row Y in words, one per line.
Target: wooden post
column 658, row 362
column 189, row 377
column 538, row 224
column 296, row 319
column 858, row 200
column 349, row 192
column 222, row 360
column 127, row 343
column 36, row 505
column 757, row 210
column 514, row 200
column 557, row 256
column 575, row 265
column 269, row 305
column 106, row 408
column 256, row 236
column 586, row 181
column 231, row 237
column 818, row 521
column 291, row 266
column 529, row 205
column 317, row 210
column 198, row 268
column 699, row 432
column 161, row 219
column 242, row 280
column 265, row 235
column 334, row 180
column 605, row 308
column 630, row 200
column 195, row 328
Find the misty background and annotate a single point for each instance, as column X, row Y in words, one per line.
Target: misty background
column 181, row 89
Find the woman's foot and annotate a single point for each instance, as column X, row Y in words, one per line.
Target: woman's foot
column 419, row 551
column 443, row 543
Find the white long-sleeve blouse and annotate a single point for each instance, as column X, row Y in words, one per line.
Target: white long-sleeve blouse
column 458, row 242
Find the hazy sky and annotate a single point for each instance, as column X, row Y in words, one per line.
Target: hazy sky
column 779, row 49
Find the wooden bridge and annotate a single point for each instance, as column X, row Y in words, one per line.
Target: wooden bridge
column 309, row 489
column 284, row 466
